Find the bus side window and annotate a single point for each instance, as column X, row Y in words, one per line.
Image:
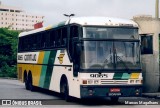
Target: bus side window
column 52, row 38
column 47, row 39
column 64, row 36
column 34, row 41
column 73, row 31
column 38, row 40
column 26, row 44
column 59, row 37
column 30, row 42
column 20, row 44
column 56, row 38
column 43, row 40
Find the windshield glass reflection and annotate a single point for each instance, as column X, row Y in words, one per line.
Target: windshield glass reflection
column 110, row 55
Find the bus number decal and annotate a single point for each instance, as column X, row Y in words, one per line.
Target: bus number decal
column 99, row 75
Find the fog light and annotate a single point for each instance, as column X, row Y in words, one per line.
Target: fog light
column 137, row 91
column 91, row 92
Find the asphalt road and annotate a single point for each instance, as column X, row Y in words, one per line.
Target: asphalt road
column 14, row 91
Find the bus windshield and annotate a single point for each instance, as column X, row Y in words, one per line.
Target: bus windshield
column 110, row 55
column 110, row 32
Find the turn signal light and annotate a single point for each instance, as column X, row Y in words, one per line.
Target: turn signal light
column 84, row 81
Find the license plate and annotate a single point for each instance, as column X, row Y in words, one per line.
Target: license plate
column 115, row 90
column 114, row 94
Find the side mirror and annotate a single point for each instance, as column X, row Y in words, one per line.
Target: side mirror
column 75, row 70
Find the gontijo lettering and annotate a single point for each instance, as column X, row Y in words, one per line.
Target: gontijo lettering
column 30, row 57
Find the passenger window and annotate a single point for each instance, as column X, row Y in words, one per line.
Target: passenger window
column 73, row 31
column 47, row 39
column 43, row 40
column 52, row 38
column 39, row 35
column 64, row 37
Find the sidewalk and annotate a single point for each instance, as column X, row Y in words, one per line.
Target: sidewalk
column 151, row 95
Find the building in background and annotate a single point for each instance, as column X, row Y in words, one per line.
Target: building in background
column 149, row 30
column 17, row 19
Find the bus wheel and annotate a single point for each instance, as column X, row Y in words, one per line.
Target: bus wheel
column 26, row 83
column 66, row 92
column 31, row 87
column 114, row 99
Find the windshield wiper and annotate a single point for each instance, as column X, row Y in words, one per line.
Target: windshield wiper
column 105, row 61
column 102, row 67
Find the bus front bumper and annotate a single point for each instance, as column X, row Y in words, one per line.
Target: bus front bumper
column 88, row 91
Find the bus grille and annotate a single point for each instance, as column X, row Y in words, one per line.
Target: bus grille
column 106, row 81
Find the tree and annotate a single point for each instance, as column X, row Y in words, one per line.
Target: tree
column 8, row 52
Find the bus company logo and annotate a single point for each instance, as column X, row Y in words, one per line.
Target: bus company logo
column 6, row 102
column 60, row 58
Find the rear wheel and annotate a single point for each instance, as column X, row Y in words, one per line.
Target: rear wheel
column 26, row 83
column 31, row 87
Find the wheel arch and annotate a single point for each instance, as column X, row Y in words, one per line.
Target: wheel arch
column 63, row 80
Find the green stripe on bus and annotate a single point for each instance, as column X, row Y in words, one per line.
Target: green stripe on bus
column 44, row 69
column 46, row 57
column 49, row 69
column 117, row 76
column 125, row 76
column 42, row 77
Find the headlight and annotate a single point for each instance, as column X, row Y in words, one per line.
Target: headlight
column 90, row 81
column 131, row 81
column 96, row 81
column 137, row 81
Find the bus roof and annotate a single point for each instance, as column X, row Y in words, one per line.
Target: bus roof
column 90, row 21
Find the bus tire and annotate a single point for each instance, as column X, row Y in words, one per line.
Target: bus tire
column 66, row 92
column 31, row 87
column 26, row 82
column 64, row 89
column 114, row 99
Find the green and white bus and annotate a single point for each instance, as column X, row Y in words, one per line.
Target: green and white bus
column 83, row 57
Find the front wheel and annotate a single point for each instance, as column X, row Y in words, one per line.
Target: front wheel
column 66, row 92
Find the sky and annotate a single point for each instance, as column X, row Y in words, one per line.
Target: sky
column 53, row 10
